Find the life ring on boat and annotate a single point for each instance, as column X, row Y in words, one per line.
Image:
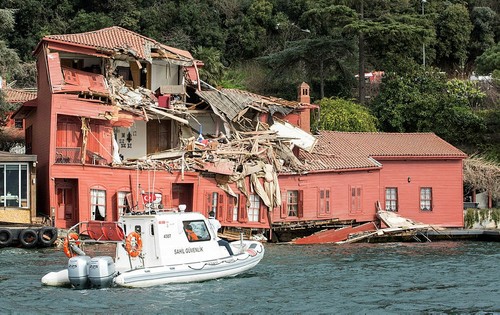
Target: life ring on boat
column 47, row 236
column 67, row 248
column 133, row 244
column 6, row 237
column 28, row 238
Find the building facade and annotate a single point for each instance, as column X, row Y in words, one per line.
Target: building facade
column 122, row 123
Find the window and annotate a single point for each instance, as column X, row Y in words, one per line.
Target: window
column 391, row 199
column 324, row 201
column 232, row 208
column 254, row 210
column 18, row 123
column 14, row 190
column 98, row 204
column 123, row 206
column 426, row 198
column 293, row 203
column 356, row 199
column 212, row 202
column 196, row 231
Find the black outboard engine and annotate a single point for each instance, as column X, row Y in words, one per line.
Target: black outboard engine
column 101, row 272
column 78, row 270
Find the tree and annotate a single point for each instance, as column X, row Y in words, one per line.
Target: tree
column 89, row 21
column 213, row 70
column 9, row 61
column 483, row 34
column 453, row 31
column 483, row 175
column 421, row 100
column 489, row 61
column 328, row 52
column 344, row 115
column 6, row 22
column 391, row 29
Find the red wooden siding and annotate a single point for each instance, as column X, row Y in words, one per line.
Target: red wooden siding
column 443, row 176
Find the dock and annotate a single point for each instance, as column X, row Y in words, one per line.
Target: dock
column 27, row 235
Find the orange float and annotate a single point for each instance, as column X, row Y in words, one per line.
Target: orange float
column 67, row 249
column 133, row 244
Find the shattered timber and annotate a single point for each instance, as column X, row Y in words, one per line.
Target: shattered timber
column 123, row 123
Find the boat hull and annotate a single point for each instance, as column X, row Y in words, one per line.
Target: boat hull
column 199, row 271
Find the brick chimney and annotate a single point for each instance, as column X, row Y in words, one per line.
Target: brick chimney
column 304, row 96
column 305, row 113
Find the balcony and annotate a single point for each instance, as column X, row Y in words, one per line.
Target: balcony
column 73, row 156
column 68, row 156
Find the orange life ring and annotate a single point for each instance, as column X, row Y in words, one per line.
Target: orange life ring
column 133, row 244
column 67, row 249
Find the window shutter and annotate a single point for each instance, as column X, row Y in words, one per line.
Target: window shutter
column 300, row 204
column 243, row 215
column 284, row 200
column 208, row 202
column 262, row 212
column 220, row 208
column 230, row 207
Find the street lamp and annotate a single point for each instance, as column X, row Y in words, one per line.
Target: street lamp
column 423, row 43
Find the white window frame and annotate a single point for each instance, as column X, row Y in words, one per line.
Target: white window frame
column 254, row 210
column 426, row 198
column 99, row 195
column 391, row 199
column 7, row 197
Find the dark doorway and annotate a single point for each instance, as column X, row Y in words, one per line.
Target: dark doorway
column 182, row 194
column 67, row 203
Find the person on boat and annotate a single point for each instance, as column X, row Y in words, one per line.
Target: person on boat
column 215, row 225
column 191, row 235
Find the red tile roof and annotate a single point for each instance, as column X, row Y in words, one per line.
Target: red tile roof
column 19, row 96
column 354, row 150
column 115, row 38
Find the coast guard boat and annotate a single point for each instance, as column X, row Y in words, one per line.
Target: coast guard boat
column 152, row 248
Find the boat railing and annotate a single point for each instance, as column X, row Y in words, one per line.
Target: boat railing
column 99, row 231
column 153, row 211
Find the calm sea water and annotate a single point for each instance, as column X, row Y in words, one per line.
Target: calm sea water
column 391, row 278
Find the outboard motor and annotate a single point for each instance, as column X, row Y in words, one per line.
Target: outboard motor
column 78, row 271
column 101, row 272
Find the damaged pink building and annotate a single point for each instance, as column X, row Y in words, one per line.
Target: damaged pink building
column 123, row 123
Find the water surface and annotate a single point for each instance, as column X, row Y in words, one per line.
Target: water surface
column 390, row 278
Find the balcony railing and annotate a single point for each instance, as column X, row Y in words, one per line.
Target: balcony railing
column 74, row 156
column 68, row 156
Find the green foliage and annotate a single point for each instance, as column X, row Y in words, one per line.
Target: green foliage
column 478, row 216
column 6, row 22
column 84, row 22
column 344, row 115
column 213, row 70
column 9, row 61
column 453, row 31
column 394, row 29
column 3, row 103
column 489, row 61
column 468, row 93
column 483, row 35
column 470, row 218
column 495, row 216
column 422, row 101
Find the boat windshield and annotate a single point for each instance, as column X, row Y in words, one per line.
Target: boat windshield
column 196, row 230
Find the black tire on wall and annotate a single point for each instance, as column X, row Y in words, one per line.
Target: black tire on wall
column 47, row 236
column 5, row 237
column 28, row 238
